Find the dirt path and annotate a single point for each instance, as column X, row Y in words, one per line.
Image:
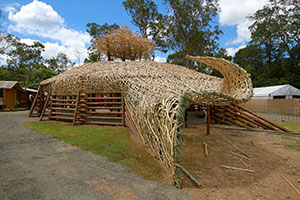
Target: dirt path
column 272, row 156
column 51, row 169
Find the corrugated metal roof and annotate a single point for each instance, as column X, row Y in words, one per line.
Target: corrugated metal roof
column 8, row 84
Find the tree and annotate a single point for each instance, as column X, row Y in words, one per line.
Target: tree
column 190, row 26
column 186, row 29
column 144, row 14
column 97, row 32
column 39, row 75
column 277, row 24
column 276, row 31
column 60, row 63
column 24, row 62
column 124, row 44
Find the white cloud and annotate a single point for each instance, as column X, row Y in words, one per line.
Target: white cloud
column 243, row 34
column 235, row 12
column 40, row 19
column 160, row 59
column 11, row 7
column 28, row 41
column 232, row 51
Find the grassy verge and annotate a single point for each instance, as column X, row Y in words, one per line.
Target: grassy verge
column 112, row 142
column 289, row 141
column 295, row 127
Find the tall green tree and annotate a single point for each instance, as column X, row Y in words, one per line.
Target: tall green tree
column 187, row 28
column 276, row 33
column 97, row 32
column 191, row 29
column 60, row 63
column 152, row 24
column 39, row 75
column 24, row 62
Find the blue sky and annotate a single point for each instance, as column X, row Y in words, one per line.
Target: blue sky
column 61, row 25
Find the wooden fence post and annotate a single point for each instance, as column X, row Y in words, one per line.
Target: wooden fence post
column 45, row 106
column 123, row 110
column 207, row 119
column 34, row 102
column 76, row 108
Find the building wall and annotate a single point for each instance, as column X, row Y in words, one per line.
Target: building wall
column 10, row 98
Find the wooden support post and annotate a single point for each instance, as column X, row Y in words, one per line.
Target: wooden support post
column 123, row 110
column 41, row 102
column 45, row 106
column 76, row 108
column 34, row 102
column 50, row 112
column 265, row 120
column 83, row 104
column 207, row 119
column 198, row 184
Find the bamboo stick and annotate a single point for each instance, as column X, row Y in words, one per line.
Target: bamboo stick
column 243, row 162
column 234, row 146
column 198, row 184
column 45, row 106
column 256, row 115
column 76, row 108
column 208, row 119
column 240, row 155
column 34, row 102
column 239, row 169
column 205, row 149
column 291, row 184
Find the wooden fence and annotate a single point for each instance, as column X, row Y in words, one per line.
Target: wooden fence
column 104, row 108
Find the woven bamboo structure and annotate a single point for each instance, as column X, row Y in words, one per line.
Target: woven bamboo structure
column 157, row 94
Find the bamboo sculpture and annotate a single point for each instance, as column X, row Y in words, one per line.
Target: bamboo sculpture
column 157, row 94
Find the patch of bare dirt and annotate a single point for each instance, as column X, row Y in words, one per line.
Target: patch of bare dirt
column 269, row 159
column 117, row 192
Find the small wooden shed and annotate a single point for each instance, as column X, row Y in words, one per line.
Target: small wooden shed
column 13, row 95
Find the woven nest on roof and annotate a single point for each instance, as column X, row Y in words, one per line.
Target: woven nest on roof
column 157, row 94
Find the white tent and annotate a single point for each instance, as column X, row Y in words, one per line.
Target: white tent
column 276, row 92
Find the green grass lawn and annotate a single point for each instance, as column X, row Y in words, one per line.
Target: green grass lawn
column 295, row 127
column 290, row 141
column 112, row 142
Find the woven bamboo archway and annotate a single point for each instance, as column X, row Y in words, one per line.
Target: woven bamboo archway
column 157, row 94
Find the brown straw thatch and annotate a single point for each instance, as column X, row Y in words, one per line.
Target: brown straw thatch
column 157, row 94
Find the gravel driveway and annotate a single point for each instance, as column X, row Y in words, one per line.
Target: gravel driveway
column 51, row 169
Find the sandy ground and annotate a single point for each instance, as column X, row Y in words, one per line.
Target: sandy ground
column 269, row 158
column 51, row 169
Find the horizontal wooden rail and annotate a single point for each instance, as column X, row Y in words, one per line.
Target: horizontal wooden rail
column 104, row 103
column 102, row 112
column 63, row 109
column 62, row 118
column 108, row 118
column 63, row 100
column 104, row 123
column 63, row 113
column 63, row 104
column 102, row 107
column 104, row 98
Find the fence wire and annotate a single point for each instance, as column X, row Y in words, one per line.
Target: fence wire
column 278, row 114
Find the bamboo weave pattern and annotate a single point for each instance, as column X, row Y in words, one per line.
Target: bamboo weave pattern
column 152, row 92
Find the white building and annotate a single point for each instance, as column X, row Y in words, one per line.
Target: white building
column 276, row 92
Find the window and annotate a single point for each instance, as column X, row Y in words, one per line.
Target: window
column 1, row 93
